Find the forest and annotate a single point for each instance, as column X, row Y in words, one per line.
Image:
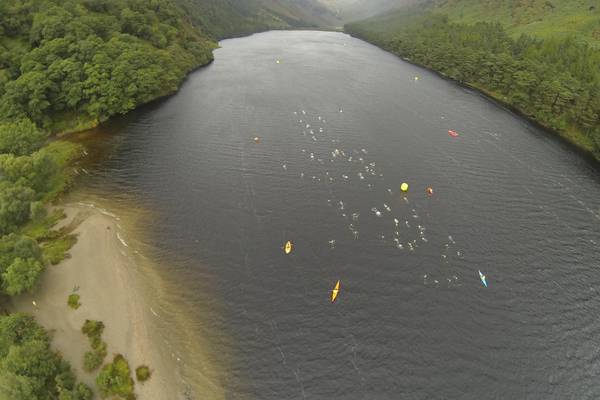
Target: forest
column 554, row 80
column 65, row 65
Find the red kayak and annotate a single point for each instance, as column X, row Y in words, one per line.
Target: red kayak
column 452, row 133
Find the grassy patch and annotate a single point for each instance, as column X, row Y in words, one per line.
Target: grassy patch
column 56, row 250
column 55, row 243
column 114, row 380
column 142, row 373
column 41, row 229
column 63, row 154
column 73, row 301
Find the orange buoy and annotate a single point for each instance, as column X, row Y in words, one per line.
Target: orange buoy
column 429, row 191
column 452, row 133
column 256, row 139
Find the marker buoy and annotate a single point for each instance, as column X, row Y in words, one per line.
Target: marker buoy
column 453, row 133
column 256, row 139
column 429, row 191
column 287, row 248
column 404, row 187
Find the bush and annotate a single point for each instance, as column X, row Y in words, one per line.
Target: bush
column 73, row 301
column 115, row 379
column 92, row 360
column 142, row 373
column 92, row 328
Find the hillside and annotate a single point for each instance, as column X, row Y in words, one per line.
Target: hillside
column 545, row 74
column 227, row 18
column 354, row 10
column 542, row 18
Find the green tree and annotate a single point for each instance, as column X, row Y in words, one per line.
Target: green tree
column 14, row 205
column 21, row 276
column 20, row 138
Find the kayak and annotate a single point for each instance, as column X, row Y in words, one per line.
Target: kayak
column 335, row 291
column 482, row 277
column 288, row 247
column 452, row 133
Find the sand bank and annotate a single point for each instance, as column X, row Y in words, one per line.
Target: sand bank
column 103, row 271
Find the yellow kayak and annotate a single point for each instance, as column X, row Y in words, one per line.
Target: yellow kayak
column 288, row 247
column 335, row 291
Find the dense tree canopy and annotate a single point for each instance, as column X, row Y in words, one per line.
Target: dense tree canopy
column 95, row 58
column 29, row 369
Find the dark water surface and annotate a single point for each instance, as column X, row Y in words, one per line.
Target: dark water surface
column 412, row 320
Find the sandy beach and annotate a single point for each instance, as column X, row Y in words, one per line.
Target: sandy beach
column 102, row 270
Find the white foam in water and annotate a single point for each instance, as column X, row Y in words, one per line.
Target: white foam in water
column 121, row 240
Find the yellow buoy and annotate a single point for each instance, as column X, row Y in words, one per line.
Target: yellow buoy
column 335, row 291
column 288, row 247
column 404, row 187
column 278, row 62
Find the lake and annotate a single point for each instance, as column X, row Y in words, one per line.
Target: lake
column 340, row 125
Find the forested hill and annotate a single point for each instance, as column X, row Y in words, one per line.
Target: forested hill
column 540, row 18
column 67, row 64
column 227, row 18
column 546, row 74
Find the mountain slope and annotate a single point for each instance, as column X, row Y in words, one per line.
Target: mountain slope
column 542, row 18
column 226, row 18
column 353, row 10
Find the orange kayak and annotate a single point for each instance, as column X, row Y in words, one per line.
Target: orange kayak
column 335, row 291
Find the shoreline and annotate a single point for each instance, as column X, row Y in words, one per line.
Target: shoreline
column 563, row 137
column 103, row 267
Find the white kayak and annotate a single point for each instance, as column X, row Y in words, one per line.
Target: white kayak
column 482, row 277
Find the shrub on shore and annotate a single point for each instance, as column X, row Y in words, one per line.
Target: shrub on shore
column 142, row 373
column 94, row 358
column 73, row 301
column 115, row 379
column 92, row 329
